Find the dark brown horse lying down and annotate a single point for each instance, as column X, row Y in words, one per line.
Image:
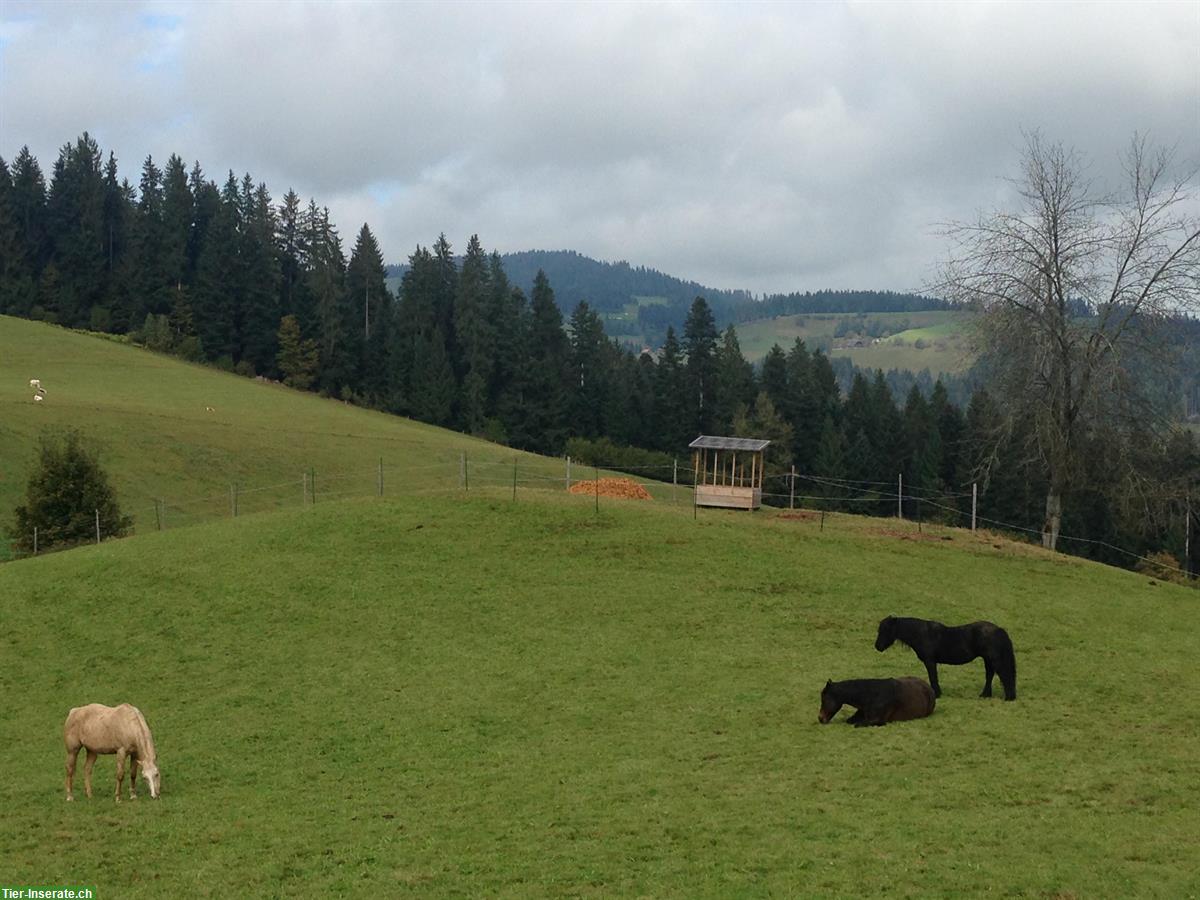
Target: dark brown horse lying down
column 878, row 700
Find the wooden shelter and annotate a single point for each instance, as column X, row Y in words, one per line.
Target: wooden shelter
column 728, row 471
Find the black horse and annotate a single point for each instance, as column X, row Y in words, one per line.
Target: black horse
column 878, row 700
column 936, row 643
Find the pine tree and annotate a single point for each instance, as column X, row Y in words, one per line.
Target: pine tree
column 675, row 429
column 370, row 304
column 735, row 387
column 774, row 377
column 258, row 333
column 546, row 398
column 830, row 461
column 589, row 378
column 700, row 344
column 298, row 357
column 476, row 337
column 75, row 215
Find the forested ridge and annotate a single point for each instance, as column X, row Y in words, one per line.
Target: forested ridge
column 224, row 273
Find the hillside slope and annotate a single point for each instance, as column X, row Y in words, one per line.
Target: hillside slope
column 471, row 696
column 150, row 417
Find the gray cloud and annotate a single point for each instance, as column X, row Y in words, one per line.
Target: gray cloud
column 767, row 146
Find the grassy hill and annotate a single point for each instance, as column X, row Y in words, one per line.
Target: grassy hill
column 148, row 415
column 940, row 334
column 467, row 696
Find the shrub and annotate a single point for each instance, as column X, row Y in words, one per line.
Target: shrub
column 65, row 491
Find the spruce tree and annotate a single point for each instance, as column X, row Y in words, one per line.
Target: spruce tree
column 735, row 387
column 298, row 357
column 589, row 380
column 700, row 345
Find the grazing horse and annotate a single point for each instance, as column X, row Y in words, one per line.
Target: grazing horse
column 878, row 700
column 111, row 729
column 936, row 643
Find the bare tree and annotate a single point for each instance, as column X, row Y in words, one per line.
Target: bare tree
column 1072, row 290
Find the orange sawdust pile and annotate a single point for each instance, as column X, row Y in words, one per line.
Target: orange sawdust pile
column 612, row 487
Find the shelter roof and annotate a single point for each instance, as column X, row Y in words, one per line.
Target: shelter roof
column 713, row 442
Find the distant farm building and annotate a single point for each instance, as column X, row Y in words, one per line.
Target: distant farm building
column 728, row 471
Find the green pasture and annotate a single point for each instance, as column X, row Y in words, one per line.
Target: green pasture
column 467, row 696
column 940, row 329
column 149, row 417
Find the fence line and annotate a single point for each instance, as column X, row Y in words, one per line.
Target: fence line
column 513, row 473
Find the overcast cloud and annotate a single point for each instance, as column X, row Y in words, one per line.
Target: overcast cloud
column 772, row 147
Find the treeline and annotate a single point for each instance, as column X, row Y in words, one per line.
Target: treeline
column 859, row 302
column 224, row 274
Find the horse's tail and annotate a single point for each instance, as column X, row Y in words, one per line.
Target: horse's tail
column 1005, row 664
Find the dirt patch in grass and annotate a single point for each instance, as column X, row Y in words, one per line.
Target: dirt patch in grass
column 623, row 488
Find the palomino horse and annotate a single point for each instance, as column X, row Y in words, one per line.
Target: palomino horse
column 111, row 729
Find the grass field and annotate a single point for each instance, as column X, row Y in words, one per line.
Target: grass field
column 940, row 330
column 148, row 416
column 445, row 692
column 452, row 697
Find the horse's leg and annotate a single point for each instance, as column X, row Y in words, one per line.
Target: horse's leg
column 856, row 718
column 87, row 771
column 133, row 761
column 931, row 668
column 120, row 772
column 72, row 758
column 988, row 672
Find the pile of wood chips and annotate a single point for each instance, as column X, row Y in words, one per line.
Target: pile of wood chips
column 612, row 487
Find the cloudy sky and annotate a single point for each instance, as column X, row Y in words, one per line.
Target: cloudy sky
column 766, row 146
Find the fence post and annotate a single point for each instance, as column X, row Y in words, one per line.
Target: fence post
column 674, row 481
column 596, row 487
column 900, row 496
column 158, row 513
column 381, row 476
column 304, row 489
column 568, row 473
column 792, row 490
column 97, row 526
column 1188, row 569
column 974, row 502
column 35, row 537
column 312, row 485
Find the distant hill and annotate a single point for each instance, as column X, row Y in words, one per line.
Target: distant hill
column 638, row 304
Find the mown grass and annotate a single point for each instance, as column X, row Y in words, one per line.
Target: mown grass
column 468, row 696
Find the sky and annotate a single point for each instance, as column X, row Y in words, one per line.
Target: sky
column 771, row 147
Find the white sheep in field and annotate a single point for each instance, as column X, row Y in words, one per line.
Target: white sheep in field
column 34, row 383
column 37, row 398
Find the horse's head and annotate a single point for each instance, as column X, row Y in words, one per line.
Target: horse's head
column 153, row 779
column 887, row 634
column 829, row 704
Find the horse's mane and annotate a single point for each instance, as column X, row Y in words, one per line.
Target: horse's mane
column 145, row 740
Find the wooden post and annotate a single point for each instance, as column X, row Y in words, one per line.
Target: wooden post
column 900, row 496
column 35, row 539
column 974, row 503
column 596, row 487
column 674, row 481
column 792, row 491
column 97, row 526
column 568, row 473
column 158, row 513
